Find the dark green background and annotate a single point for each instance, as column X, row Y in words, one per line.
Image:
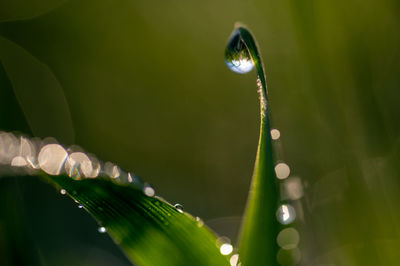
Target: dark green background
column 147, row 88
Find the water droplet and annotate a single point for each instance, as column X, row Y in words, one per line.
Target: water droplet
column 78, row 163
column 226, row 249
column 102, row 229
column 199, row 221
column 18, row 161
column 289, row 257
column 130, row 179
column 293, row 188
column 179, row 207
column 282, row 170
column 80, row 206
column 237, row 56
column 275, row 134
column 63, row 191
column 234, row 259
column 111, row 170
column 52, row 158
column 288, row 238
column 148, row 191
column 286, row 214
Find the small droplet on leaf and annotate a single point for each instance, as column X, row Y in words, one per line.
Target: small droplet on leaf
column 63, row 191
column 199, row 221
column 237, row 56
column 286, row 214
column 226, row 249
column 148, row 191
column 179, row 207
column 275, row 134
column 102, row 229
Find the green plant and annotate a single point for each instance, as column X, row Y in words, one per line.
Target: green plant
column 150, row 230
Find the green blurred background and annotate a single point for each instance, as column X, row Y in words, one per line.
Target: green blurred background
column 146, row 87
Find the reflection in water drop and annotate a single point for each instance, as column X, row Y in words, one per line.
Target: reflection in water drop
column 51, row 158
column 179, row 207
column 226, row 249
column 237, row 56
column 286, row 214
column 102, row 229
column 275, row 134
column 234, row 259
column 288, row 238
column 282, row 170
column 80, row 206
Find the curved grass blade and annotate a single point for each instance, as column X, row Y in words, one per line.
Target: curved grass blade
column 148, row 229
column 259, row 227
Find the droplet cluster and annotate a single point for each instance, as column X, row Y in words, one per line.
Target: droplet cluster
column 27, row 156
column 291, row 192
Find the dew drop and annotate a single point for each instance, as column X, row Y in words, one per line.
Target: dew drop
column 78, row 163
column 148, row 191
column 18, row 161
column 130, row 179
column 52, row 158
column 102, row 229
column 286, row 214
column 234, row 259
column 80, row 206
column 237, row 56
column 63, row 191
column 226, row 249
column 275, row 134
column 199, row 221
column 179, row 207
column 288, row 238
column 282, row 170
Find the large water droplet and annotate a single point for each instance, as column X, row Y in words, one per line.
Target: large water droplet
column 237, row 56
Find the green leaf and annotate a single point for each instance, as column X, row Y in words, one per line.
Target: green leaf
column 148, row 229
column 260, row 227
column 11, row 10
column 38, row 92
